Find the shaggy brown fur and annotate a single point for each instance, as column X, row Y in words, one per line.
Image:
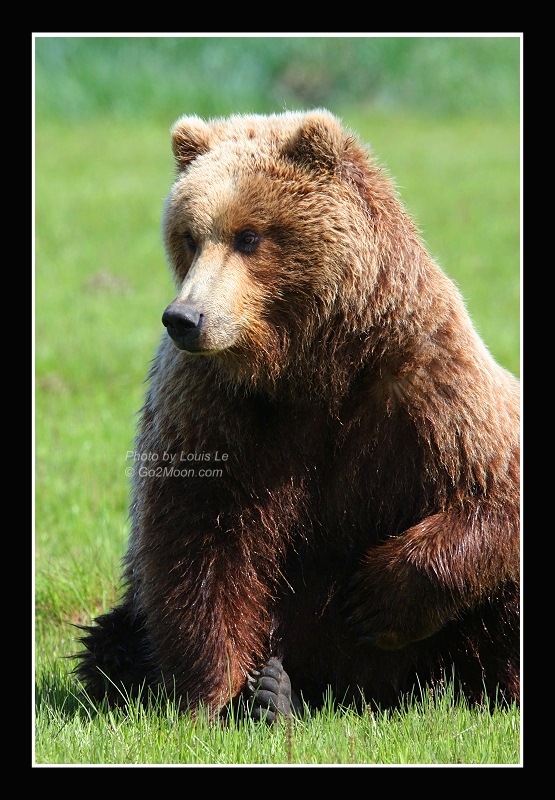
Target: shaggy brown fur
column 365, row 528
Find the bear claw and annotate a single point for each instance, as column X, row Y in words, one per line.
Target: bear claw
column 270, row 693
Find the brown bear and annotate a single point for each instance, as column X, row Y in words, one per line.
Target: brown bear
column 326, row 490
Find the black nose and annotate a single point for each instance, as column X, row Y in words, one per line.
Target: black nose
column 184, row 324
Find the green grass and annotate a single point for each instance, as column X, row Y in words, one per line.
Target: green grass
column 432, row 731
column 157, row 78
column 101, row 285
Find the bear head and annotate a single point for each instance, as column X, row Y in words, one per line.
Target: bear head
column 274, row 230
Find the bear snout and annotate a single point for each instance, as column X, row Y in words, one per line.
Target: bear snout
column 184, row 324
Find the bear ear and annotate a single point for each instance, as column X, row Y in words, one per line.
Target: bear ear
column 190, row 137
column 318, row 143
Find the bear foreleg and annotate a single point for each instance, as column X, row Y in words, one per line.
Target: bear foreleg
column 410, row 586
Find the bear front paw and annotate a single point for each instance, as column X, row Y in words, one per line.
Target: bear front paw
column 390, row 617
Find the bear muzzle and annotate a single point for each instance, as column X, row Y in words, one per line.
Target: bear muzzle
column 184, row 324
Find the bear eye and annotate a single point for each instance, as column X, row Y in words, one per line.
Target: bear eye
column 189, row 241
column 246, row 241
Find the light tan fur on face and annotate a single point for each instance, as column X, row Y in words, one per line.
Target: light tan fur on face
column 216, row 280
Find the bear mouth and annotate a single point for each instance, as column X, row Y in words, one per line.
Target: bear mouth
column 188, row 345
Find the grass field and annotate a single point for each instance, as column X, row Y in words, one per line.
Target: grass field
column 101, row 285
